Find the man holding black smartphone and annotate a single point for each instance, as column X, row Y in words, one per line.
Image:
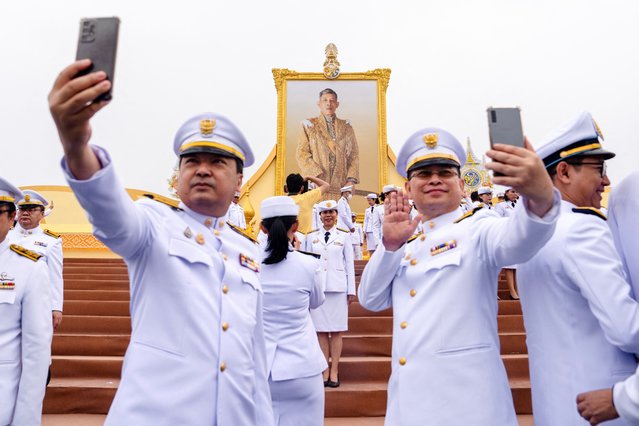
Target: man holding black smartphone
column 197, row 351
column 441, row 284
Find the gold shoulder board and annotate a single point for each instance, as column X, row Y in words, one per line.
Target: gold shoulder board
column 343, row 230
column 26, row 253
column 164, row 200
column 52, row 234
column 469, row 213
column 590, row 210
column 414, row 237
column 242, row 232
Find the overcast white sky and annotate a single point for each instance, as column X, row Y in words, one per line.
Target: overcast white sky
column 449, row 60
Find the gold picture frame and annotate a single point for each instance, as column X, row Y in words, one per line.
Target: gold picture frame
column 289, row 82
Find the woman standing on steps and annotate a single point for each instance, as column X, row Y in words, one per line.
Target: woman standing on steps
column 292, row 285
column 338, row 274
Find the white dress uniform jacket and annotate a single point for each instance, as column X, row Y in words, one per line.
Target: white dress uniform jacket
column 291, row 287
column 379, row 231
column 623, row 207
column 371, row 224
column 49, row 246
column 337, row 272
column 25, row 337
column 236, row 216
column 442, row 286
column 197, row 354
column 357, row 239
column 344, row 214
column 578, row 313
column 505, row 208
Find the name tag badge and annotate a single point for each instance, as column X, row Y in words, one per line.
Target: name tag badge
column 40, row 243
column 434, row 251
column 339, row 243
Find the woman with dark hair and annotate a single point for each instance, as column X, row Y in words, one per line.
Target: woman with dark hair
column 291, row 284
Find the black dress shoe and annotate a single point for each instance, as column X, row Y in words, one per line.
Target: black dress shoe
column 326, row 382
column 332, row 384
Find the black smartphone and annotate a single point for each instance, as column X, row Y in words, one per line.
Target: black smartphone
column 504, row 126
column 98, row 41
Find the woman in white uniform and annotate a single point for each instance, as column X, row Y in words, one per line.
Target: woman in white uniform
column 505, row 209
column 292, row 284
column 338, row 275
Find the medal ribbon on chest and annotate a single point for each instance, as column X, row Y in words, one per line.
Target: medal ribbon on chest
column 434, row 251
column 6, row 283
column 247, row 262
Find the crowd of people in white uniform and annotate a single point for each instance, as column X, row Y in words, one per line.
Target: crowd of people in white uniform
column 229, row 331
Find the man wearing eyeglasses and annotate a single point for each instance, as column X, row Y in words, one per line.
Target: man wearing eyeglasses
column 30, row 235
column 441, row 284
column 25, row 327
column 582, row 325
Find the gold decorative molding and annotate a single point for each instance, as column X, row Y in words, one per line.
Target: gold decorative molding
column 81, row 241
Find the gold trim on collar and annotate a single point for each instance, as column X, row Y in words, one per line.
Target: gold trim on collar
column 564, row 154
column 213, row 145
column 429, row 156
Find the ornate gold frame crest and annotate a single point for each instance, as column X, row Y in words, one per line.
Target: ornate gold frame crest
column 282, row 76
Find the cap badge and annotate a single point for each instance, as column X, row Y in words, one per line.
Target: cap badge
column 430, row 140
column 207, row 126
column 597, row 129
column 329, row 204
column 27, row 198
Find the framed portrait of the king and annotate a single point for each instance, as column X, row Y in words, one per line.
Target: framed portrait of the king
column 333, row 129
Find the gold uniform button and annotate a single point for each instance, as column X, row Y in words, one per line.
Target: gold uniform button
column 402, row 361
column 225, row 257
column 216, row 232
column 225, row 289
column 423, row 237
column 413, row 292
column 225, row 326
column 208, row 221
column 431, row 225
column 221, row 223
column 407, row 256
column 200, row 239
column 223, row 367
column 404, row 324
column 413, row 262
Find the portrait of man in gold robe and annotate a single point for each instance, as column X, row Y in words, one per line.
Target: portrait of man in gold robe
column 327, row 147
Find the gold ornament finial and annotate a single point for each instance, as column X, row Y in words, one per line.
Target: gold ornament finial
column 430, row 140
column 206, row 127
column 331, row 64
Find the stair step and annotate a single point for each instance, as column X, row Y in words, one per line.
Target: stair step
column 102, row 284
column 88, row 396
column 90, row 344
column 97, row 324
column 97, row 307
column 114, row 295
column 86, row 367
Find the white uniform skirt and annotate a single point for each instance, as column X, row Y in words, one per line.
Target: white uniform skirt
column 332, row 315
column 298, row 401
column 371, row 242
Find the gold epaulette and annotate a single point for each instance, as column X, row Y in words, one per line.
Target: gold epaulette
column 52, row 234
column 26, row 253
column 242, row 232
column 343, row 230
column 174, row 204
column 590, row 210
column 469, row 213
column 414, row 237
